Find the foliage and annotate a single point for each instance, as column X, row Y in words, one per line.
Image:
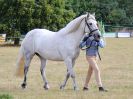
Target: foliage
column 113, row 12
column 54, row 15
column 20, row 16
column 117, row 17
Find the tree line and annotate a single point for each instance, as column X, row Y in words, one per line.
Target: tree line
column 20, row 16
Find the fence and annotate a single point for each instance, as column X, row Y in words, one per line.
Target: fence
column 118, row 34
column 9, row 40
column 119, row 31
column 2, row 38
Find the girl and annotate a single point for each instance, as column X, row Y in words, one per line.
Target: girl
column 92, row 43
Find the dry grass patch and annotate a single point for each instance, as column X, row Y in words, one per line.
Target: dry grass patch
column 116, row 71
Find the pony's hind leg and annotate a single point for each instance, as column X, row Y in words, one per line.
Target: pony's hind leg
column 42, row 70
column 23, row 85
column 28, row 58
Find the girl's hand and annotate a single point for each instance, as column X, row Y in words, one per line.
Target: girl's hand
column 97, row 37
column 91, row 38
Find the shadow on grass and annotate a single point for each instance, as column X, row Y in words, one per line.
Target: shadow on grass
column 9, row 45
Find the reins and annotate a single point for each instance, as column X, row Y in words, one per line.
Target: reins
column 98, row 53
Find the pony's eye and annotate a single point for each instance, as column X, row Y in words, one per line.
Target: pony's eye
column 90, row 23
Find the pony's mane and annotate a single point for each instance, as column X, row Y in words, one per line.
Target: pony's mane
column 73, row 25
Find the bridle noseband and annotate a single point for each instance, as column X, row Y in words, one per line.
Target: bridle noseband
column 91, row 31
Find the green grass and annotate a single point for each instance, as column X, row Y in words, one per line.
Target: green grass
column 5, row 96
column 116, row 72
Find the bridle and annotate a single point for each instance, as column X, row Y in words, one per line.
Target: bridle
column 91, row 31
column 90, row 34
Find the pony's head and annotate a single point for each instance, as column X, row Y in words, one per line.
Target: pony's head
column 91, row 26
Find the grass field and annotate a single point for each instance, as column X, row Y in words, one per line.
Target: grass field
column 116, row 72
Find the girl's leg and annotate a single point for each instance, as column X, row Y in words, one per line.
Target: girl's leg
column 88, row 77
column 93, row 63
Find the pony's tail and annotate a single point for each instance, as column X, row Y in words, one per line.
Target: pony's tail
column 20, row 64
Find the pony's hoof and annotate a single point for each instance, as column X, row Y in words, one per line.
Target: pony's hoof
column 23, row 85
column 76, row 88
column 61, row 87
column 46, row 87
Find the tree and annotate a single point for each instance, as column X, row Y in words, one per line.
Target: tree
column 115, row 12
column 54, row 15
column 117, row 16
column 17, row 17
column 127, row 7
column 20, row 16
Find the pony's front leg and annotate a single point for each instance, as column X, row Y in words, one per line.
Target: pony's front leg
column 65, row 81
column 42, row 69
column 74, row 79
column 69, row 64
column 67, row 76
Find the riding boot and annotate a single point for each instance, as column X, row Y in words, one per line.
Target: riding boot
column 101, row 89
column 85, row 89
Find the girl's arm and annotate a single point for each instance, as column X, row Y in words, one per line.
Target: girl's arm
column 82, row 44
column 86, row 41
column 83, row 41
column 101, row 43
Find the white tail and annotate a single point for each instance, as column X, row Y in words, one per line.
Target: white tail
column 20, row 63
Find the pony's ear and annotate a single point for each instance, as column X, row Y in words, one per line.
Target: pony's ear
column 88, row 14
column 93, row 14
